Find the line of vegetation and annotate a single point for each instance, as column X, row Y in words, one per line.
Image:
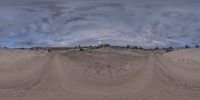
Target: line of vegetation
column 83, row 48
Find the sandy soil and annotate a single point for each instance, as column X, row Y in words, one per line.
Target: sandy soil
column 185, row 55
column 102, row 74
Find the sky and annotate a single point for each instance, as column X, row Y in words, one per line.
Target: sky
column 146, row 23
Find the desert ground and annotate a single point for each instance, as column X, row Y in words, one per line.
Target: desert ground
column 99, row 74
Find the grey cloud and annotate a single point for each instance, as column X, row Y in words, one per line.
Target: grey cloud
column 68, row 23
column 94, row 6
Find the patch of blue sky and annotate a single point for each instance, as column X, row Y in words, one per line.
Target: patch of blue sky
column 185, row 41
column 21, row 39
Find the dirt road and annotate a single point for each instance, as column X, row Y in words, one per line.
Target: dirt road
column 100, row 76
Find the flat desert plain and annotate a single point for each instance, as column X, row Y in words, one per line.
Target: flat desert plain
column 99, row 74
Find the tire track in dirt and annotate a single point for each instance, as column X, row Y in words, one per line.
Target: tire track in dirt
column 172, row 83
column 24, row 82
column 135, row 86
column 153, row 78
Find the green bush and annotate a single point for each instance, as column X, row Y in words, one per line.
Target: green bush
column 171, row 48
column 105, row 45
column 135, row 47
column 128, row 46
column 187, row 46
column 156, row 48
column 80, row 48
column 141, row 48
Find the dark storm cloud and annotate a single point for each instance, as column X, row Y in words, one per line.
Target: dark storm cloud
column 68, row 23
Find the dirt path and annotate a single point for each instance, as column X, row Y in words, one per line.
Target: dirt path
column 55, row 76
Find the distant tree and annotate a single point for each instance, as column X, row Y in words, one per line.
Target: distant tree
column 103, row 45
column 80, row 48
column 106, row 45
column 135, row 47
column 197, row 46
column 187, row 46
column 156, row 48
column 90, row 46
column 49, row 50
column 171, row 48
column 141, row 48
column 168, row 50
column 128, row 46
